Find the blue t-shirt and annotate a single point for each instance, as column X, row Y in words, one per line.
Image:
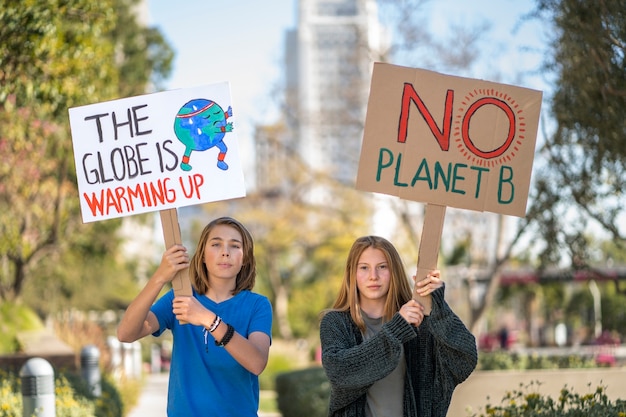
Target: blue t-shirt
column 205, row 380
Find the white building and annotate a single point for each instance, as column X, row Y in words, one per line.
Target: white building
column 328, row 63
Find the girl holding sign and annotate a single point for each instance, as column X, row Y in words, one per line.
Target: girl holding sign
column 382, row 355
column 224, row 346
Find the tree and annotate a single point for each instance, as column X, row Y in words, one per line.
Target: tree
column 414, row 45
column 579, row 175
column 578, row 191
column 584, row 179
column 56, row 55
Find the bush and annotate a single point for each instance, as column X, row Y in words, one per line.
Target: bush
column 303, row 393
column 501, row 361
column 276, row 365
column 109, row 404
column 72, row 397
column 10, row 399
column 13, row 319
column 527, row 402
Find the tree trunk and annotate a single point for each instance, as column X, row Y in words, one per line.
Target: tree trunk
column 281, row 312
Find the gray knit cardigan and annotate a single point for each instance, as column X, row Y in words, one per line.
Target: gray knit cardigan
column 440, row 354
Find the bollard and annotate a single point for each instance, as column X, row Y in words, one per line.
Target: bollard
column 155, row 358
column 90, row 369
column 37, row 378
column 116, row 356
column 127, row 352
column 137, row 360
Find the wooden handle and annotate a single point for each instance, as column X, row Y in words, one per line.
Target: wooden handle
column 171, row 233
column 429, row 249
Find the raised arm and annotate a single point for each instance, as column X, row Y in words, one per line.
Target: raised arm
column 138, row 321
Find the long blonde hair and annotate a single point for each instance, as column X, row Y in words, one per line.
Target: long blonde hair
column 399, row 289
column 198, row 271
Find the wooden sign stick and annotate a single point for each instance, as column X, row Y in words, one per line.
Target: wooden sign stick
column 434, row 215
column 171, row 233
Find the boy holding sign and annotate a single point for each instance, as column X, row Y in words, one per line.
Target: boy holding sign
column 224, row 346
column 133, row 156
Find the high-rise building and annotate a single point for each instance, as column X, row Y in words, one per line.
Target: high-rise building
column 328, row 63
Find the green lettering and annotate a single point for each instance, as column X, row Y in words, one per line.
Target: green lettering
column 480, row 173
column 417, row 177
column 440, row 174
column 457, row 177
column 396, row 182
column 509, row 179
column 381, row 164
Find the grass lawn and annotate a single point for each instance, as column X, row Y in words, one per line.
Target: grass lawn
column 267, row 402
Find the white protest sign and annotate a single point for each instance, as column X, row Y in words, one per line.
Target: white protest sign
column 155, row 152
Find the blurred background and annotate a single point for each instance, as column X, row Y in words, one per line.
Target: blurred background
column 550, row 284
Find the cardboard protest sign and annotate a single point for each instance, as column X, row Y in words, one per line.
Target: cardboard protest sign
column 156, row 152
column 449, row 140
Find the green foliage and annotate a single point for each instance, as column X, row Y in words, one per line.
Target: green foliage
column 492, row 361
column 613, row 308
column 277, row 364
column 529, row 402
column 570, row 303
column 71, row 278
column 10, row 397
column 584, row 178
column 460, row 252
column 502, row 360
column 306, row 303
column 55, row 55
column 303, row 393
column 109, row 404
column 267, row 402
column 72, row 397
column 15, row 318
column 10, row 402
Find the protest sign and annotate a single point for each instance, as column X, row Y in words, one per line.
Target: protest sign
column 157, row 152
column 448, row 141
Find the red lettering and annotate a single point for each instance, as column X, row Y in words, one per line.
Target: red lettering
column 466, row 126
column 112, row 201
column 195, row 182
column 125, row 199
column 95, row 205
column 138, row 193
column 442, row 135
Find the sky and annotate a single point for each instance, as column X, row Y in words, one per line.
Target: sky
column 242, row 42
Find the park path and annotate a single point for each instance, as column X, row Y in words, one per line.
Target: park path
column 153, row 399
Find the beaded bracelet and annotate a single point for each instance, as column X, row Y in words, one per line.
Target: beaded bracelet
column 215, row 323
column 227, row 336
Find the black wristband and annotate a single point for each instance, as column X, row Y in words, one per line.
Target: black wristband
column 227, row 336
